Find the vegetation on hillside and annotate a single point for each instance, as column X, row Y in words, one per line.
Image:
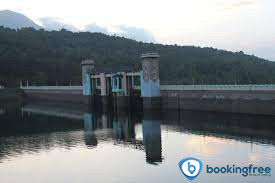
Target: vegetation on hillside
column 50, row 58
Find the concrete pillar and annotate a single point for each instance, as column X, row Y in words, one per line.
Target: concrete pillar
column 108, row 86
column 150, row 83
column 87, row 68
column 93, row 86
column 124, row 83
column 103, row 92
column 103, row 85
column 125, row 98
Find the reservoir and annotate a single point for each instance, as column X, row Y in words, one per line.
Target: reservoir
column 69, row 143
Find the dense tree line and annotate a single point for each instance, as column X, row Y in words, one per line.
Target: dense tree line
column 50, row 58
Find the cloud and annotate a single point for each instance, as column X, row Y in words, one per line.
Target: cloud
column 52, row 23
column 240, row 4
column 96, row 28
column 138, row 34
column 135, row 33
column 243, row 3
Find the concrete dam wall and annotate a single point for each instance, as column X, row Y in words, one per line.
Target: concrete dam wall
column 74, row 95
column 57, row 94
column 250, row 102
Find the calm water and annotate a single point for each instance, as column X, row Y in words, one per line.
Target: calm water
column 50, row 143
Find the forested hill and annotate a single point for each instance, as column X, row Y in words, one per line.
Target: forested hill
column 54, row 57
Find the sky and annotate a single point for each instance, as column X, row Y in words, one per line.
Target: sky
column 235, row 25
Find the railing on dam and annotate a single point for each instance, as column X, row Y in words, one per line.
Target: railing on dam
column 263, row 87
column 51, row 88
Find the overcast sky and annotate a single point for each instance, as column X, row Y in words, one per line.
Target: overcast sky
column 235, row 25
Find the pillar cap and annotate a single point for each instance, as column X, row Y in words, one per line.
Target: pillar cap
column 150, row 55
column 87, row 62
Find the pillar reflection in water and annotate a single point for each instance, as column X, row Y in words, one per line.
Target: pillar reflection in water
column 89, row 136
column 152, row 140
column 2, row 111
column 105, row 121
column 123, row 127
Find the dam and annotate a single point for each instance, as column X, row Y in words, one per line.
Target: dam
column 143, row 90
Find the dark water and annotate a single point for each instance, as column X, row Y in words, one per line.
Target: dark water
column 51, row 143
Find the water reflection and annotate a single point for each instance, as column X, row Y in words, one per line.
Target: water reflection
column 2, row 111
column 89, row 127
column 241, row 127
column 35, row 128
column 152, row 140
